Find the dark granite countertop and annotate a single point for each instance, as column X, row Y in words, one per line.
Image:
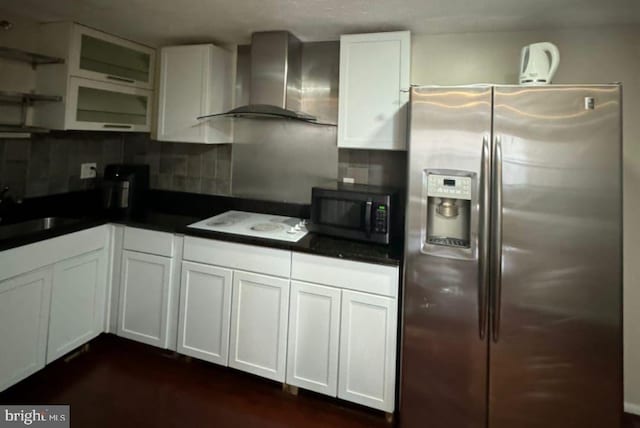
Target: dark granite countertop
column 311, row 243
column 173, row 212
column 314, row 244
column 35, row 236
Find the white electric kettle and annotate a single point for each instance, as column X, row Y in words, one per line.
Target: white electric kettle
column 538, row 63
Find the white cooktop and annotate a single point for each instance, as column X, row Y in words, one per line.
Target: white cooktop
column 253, row 224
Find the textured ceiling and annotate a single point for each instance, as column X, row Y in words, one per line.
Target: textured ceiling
column 161, row 22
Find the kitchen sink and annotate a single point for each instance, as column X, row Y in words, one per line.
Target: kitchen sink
column 31, row 226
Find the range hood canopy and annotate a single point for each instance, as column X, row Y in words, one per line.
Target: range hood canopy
column 276, row 79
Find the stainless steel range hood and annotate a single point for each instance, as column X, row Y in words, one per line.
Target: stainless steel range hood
column 275, row 84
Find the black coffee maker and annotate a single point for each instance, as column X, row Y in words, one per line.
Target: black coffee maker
column 125, row 188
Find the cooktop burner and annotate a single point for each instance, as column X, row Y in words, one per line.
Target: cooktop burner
column 253, row 224
column 266, row 227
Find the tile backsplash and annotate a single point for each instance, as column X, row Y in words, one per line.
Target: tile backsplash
column 50, row 163
column 375, row 167
column 195, row 168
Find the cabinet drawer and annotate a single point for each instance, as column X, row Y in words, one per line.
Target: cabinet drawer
column 358, row 276
column 238, row 256
column 148, row 241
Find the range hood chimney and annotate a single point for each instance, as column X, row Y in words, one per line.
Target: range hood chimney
column 276, row 79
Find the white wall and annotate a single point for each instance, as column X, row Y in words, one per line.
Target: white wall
column 16, row 76
column 596, row 55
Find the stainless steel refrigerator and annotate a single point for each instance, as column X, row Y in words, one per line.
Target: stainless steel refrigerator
column 513, row 266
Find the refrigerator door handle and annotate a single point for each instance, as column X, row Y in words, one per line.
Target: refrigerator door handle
column 496, row 233
column 483, row 236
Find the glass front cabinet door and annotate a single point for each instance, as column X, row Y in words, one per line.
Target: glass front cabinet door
column 101, row 106
column 99, row 56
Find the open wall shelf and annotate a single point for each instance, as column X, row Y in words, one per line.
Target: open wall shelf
column 25, row 97
column 29, row 57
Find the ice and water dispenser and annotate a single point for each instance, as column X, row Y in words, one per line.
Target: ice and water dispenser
column 448, row 210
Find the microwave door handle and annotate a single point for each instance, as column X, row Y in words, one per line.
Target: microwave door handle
column 367, row 217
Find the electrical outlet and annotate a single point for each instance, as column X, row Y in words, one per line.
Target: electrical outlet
column 87, row 170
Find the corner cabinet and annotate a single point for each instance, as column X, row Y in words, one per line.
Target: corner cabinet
column 52, row 299
column 147, row 292
column 374, row 90
column 144, row 297
column 78, row 300
column 106, row 81
column 24, row 321
column 195, row 80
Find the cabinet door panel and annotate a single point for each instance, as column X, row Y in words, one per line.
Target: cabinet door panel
column 259, row 324
column 144, row 297
column 205, row 312
column 24, row 318
column 368, row 350
column 195, row 80
column 77, row 302
column 99, row 106
column 374, row 83
column 314, row 328
column 100, row 56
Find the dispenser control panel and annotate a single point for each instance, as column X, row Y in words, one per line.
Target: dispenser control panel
column 449, row 186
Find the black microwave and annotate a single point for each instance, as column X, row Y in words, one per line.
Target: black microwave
column 355, row 211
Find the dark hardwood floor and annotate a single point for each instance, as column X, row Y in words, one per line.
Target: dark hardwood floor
column 119, row 383
column 631, row 421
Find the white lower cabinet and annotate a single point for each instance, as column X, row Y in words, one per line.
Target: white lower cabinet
column 314, row 329
column 336, row 338
column 205, row 312
column 259, row 319
column 77, row 302
column 24, row 318
column 368, row 350
column 365, row 297
column 144, row 297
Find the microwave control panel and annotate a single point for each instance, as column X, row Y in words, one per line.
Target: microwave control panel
column 449, row 186
column 380, row 217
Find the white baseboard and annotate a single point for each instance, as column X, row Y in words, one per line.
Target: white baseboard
column 632, row 408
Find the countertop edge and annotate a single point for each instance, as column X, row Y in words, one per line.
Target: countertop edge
column 8, row 244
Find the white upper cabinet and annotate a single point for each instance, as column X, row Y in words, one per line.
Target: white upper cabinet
column 100, row 56
column 106, row 82
column 195, row 80
column 99, row 106
column 374, row 90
